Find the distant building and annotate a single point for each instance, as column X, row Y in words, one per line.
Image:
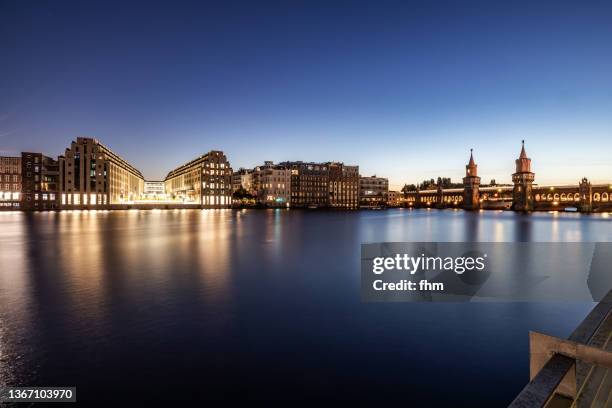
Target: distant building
column 242, row 178
column 206, row 180
column 394, row 198
column 154, row 190
column 93, row 176
column 373, row 191
column 275, row 185
column 309, row 184
column 10, row 183
column 40, row 182
column 343, row 186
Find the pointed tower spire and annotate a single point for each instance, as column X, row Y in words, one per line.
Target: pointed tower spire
column 471, row 185
column 471, row 169
column 522, row 194
column 523, row 153
column 523, row 163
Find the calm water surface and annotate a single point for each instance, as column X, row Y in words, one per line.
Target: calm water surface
column 259, row 304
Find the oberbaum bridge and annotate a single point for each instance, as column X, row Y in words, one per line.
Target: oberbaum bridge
column 523, row 195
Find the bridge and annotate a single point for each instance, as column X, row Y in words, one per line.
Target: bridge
column 523, row 195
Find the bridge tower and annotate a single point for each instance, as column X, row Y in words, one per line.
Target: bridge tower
column 586, row 195
column 440, row 196
column 522, row 195
column 471, row 185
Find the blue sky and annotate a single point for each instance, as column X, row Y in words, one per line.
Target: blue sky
column 403, row 89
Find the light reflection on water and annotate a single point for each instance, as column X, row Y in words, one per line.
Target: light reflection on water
column 238, row 300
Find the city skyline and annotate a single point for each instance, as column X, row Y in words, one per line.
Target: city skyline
column 404, row 90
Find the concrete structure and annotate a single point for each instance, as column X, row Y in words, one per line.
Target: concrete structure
column 575, row 372
column 40, row 182
column 205, row 181
column 91, row 176
column 10, row 183
column 343, row 186
column 471, row 185
column 275, row 185
column 373, row 191
column 522, row 195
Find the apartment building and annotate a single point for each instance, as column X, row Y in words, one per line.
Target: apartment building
column 309, row 184
column 275, row 185
column 242, row 179
column 373, row 191
column 343, row 186
column 40, row 182
column 91, row 176
column 206, row 181
column 10, row 183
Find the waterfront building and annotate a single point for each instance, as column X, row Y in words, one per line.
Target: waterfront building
column 373, row 191
column 205, row 181
column 522, row 194
column 10, row 183
column 242, row 179
column 154, row 190
column 471, row 185
column 394, row 198
column 275, row 185
column 309, row 184
column 40, row 182
column 91, row 176
column 343, row 186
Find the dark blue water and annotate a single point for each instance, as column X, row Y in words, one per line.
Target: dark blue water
column 189, row 304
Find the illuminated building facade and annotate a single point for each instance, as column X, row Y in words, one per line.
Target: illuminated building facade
column 394, row 199
column 343, row 186
column 154, row 190
column 373, row 191
column 242, row 179
column 40, row 182
column 205, row 181
column 275, row 185
column 91, row 176
column 309, row 184
column 10, row 183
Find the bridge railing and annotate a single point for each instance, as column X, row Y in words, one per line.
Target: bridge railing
column 562, row 371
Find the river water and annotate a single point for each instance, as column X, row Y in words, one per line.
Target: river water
column 260, row 304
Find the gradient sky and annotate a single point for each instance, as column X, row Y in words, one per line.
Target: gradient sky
column 403, row 89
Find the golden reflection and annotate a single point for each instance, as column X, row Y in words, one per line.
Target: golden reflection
column 211, row 244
